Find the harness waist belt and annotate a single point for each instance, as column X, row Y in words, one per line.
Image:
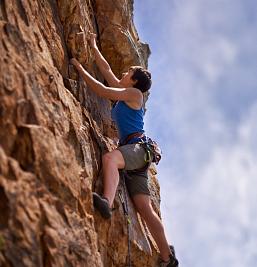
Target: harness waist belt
column 131, row 136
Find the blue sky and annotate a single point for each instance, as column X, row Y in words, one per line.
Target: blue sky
column 202, row 110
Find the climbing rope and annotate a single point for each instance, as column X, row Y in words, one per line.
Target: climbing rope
column 124, row 202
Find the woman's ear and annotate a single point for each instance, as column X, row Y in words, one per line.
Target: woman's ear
column 134, row 81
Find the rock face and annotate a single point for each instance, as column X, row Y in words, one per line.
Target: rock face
column 53, row 131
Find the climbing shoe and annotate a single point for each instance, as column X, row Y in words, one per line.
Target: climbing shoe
column 102, row 205
column 173, row 262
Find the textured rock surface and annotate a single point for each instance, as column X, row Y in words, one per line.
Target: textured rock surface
column 53, row 131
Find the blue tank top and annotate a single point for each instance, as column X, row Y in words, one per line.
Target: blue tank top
column 127, row 120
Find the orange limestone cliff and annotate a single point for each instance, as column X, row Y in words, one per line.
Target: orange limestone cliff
column 53, row 131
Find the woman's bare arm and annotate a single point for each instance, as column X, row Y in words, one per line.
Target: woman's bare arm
column 102, row 64
column 130, row 95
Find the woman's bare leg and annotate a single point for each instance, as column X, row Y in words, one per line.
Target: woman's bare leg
column 143, row 205
column 112, row 162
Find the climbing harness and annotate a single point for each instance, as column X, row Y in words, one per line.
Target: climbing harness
column 153, row 151
column 124, row 202
column 131, row 136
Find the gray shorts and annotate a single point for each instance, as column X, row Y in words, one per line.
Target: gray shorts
column 134, row 157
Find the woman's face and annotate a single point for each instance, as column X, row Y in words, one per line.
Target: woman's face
column 126, row 79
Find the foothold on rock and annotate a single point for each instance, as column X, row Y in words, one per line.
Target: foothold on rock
column 51, row 78
column 73, row 74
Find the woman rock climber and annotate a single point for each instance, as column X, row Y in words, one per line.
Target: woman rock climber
column 130, row 155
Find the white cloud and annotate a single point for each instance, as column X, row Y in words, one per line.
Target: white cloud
column 203, row 110
column 215, row 216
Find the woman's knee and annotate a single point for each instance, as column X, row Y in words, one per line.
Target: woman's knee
column 113, row 158
column 143, row 204
column 107, row 157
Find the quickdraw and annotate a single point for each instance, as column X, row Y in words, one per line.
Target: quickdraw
column 124, row 201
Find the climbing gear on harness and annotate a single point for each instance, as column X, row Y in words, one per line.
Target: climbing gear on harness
column 102, row 205
column 173, row 262
column 124, row 202
column 153, row 151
